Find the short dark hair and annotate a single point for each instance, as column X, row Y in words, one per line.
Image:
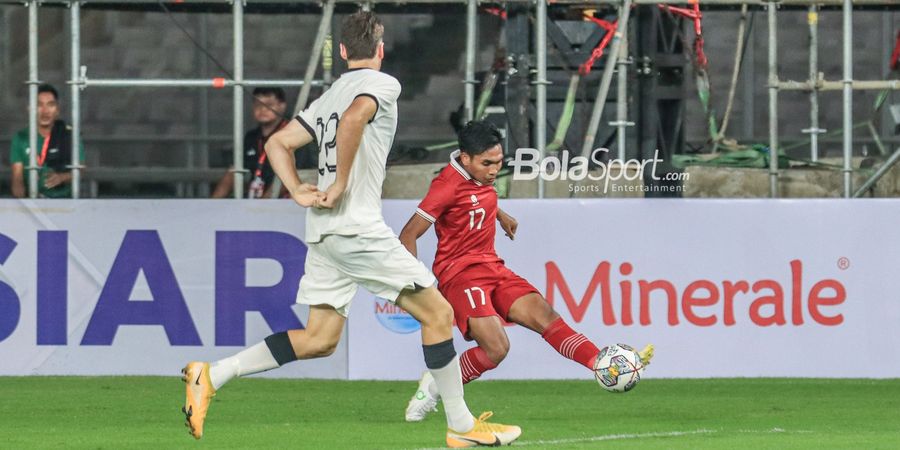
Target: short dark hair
column 48, row 88
column 276, row 92
column 360, row 33
column 478, row 136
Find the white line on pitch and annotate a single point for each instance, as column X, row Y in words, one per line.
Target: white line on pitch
column 606, row 437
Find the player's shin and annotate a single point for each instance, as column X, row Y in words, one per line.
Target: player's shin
column 441, row 360
column 473, row 363
column 571, row 344
column 275, row 351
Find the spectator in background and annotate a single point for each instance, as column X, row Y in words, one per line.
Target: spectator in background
column 269, row 106
column 54, row 156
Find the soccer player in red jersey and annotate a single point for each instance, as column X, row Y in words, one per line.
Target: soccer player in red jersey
column 462, row 205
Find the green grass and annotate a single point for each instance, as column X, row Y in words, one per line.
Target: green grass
column 143, row 412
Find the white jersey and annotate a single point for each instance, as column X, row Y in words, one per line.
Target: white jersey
column 359, row 209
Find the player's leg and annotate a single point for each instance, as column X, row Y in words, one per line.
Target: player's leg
column 469, row 294
column 430, row 308
column 319, row 339
column 385, row 268
column 202, row 380
column 327, row 292
column 434, row 313
column 493, row 345
column 532, row 311
column 517, row 301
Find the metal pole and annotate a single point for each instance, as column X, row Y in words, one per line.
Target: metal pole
column 878, row 174
column 313, row 63
column 773, row 99
column 822, row 85
column 603, row 91
column 201, row 82
column 238, row 90
column 813, row 130
column 75, row 89
column 848, row 95
column 203, row 115
column 5, row 58
column 748, row 79
column 621, row 122
column 540, row 46
column 327, row 60
column 33, row 82
column 471, row 39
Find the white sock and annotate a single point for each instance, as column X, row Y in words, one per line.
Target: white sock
column 449, row 384
column 255, row 359
column 433, row 389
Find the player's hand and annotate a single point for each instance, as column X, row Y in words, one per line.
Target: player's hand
column 55, row 179
column 331, row 196
column 508, row 223
column 306, row 195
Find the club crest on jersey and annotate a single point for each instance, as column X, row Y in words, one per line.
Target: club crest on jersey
column 474, row 199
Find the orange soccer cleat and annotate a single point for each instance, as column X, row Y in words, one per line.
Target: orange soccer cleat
column 198, row 393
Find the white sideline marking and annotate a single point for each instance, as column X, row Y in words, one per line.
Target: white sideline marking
column 606, row 437
column 614, row 437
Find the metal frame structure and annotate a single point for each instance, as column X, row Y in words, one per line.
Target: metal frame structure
column 661, row 78
column 79, row 80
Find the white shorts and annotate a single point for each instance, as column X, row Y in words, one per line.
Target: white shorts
column 338, row 265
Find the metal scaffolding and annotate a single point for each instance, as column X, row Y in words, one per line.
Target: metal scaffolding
column 618, row 56
column 80, row 81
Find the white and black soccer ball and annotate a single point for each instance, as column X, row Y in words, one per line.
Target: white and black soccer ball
column 618, row 368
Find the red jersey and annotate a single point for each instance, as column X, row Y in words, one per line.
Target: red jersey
column 464, row 213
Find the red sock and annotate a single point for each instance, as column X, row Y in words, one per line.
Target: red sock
column 570, row 344
column 473, row 363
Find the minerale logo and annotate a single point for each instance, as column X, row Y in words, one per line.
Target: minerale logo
column 765, row 302
column 394, row 318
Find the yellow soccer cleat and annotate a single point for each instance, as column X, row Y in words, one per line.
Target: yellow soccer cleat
column 484, row 434
column 198, row 393
column 646, row 355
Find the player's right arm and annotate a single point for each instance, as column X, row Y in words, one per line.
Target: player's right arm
column 438, row 199
column 17, row 159
column 280, row 149
column 412, row 231
column 18, row 180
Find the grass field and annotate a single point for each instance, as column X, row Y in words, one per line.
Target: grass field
column 143, row 412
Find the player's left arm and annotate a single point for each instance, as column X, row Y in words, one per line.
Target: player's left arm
column 508, row 223
column 349, row 134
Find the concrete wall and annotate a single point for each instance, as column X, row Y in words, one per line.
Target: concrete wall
column 716, row 182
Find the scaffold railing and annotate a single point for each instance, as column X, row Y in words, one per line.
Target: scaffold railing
column 79, row 79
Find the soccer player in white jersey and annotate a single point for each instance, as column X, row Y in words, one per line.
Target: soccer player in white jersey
column 353, row 124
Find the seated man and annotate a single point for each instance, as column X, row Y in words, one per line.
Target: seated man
column 54, row 155
column 269, row 106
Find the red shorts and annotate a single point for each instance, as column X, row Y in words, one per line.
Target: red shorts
column 483, row 290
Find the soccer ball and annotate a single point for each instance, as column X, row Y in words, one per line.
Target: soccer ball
column 618, row 368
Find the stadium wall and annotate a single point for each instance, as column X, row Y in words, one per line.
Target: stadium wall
column 750, row 288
